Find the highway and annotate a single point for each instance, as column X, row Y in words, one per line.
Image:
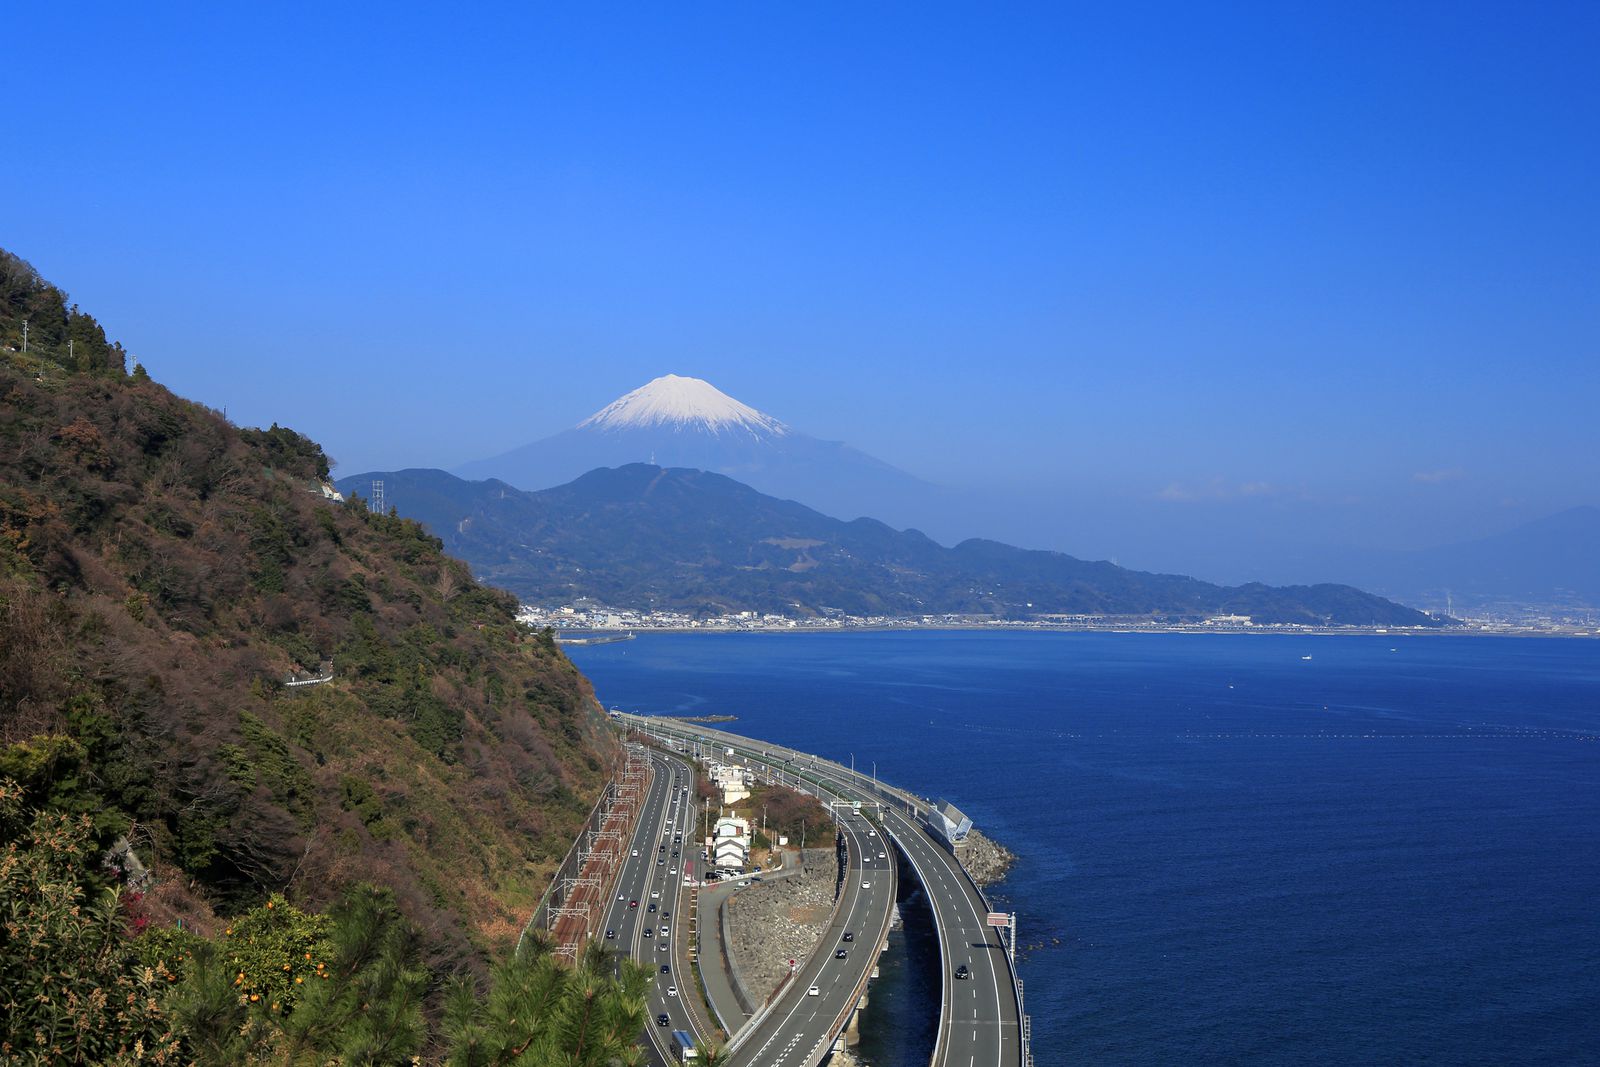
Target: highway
column 645, row 901
column 980, row 1021
column 798, row 1028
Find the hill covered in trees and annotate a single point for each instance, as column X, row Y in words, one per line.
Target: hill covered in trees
column 163, row 572
column 646, row 537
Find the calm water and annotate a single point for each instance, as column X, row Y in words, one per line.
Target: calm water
column 1388, row 853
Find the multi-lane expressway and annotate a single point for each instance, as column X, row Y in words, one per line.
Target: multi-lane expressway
column 980, row 1020
column 797, row 1027
column 642, row 920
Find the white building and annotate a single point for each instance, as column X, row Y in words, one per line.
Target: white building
column 733, row 780
column 730, row 842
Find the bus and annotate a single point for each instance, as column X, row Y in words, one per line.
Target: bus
column 683, row 1044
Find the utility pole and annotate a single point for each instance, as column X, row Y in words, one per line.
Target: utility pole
column 24, row 336
column 70, row 356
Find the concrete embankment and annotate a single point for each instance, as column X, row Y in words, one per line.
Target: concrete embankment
column 781, row 919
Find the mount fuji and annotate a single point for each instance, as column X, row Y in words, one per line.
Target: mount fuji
column 676, row 421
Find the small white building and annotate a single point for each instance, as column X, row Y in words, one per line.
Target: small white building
column 732, row 854
column 730, row 842
column 733, row 780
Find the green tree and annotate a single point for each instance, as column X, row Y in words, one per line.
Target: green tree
column 539, row 1012
column 71, row 989
column 286, row 988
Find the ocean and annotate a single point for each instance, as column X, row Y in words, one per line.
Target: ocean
column 1233, row 848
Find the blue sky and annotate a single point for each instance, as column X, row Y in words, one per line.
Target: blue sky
column 1320, row 270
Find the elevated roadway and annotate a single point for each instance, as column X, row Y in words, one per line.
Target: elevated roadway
column 981, row 1023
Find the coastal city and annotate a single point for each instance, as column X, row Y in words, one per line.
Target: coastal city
column 586, row 617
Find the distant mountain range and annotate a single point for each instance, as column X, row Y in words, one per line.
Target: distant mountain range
column 676, row 421
column 1552, row 562
column 644, row 537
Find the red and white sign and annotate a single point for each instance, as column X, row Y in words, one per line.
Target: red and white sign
column 998, row 918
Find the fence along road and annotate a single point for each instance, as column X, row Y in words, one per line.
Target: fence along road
column 980, row 1017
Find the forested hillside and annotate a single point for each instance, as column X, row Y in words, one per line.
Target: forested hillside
column 644, row 537
column 162, row 572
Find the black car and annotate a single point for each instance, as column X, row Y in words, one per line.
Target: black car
column 666, row 969
column 611, row 935
column 841, row 954
column 647, row 932
column 666, row 915
column 663, row 1019
column 962, row 972
column 652, row 906
column 849, row 935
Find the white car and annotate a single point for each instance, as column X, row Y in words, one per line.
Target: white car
column 672, row 990
column 866, row 885
column 872, row 833
column 635, row 852
column 813, row 992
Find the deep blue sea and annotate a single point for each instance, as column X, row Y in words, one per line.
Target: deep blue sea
column 1388, row 853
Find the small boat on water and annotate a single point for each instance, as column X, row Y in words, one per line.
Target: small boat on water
column 1305, row 657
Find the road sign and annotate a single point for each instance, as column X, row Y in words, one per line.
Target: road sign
column 791, row 966
column 998, row 918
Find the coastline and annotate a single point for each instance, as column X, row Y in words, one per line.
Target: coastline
column 1255, row 631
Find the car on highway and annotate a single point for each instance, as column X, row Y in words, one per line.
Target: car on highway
column 866, row 885
column 648, row 932
column 631, row 903
column 962, row 972
column 635, row 852
column 611, row 935
column 841, row 954
column 663, row 1019
column 672, row 990
column 666, row 915
column 849, row 935
column 744, row 883
column 813, row 992
column 666, row 968
column 872, row 833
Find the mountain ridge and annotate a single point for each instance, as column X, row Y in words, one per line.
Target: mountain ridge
column 642, row 537
column 163, row 572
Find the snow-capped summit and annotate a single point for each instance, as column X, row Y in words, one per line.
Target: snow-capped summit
column 675, row 421
column 682, row 403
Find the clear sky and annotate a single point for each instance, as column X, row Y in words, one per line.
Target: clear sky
column 1333, row 268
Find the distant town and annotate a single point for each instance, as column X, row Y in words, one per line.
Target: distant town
column 574, row 621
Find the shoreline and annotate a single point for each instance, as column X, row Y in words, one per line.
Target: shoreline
column 1262, row 631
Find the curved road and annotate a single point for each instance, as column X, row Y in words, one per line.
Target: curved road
column 979, row 1019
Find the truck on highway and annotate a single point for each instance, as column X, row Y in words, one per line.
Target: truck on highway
column 683, row 1045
